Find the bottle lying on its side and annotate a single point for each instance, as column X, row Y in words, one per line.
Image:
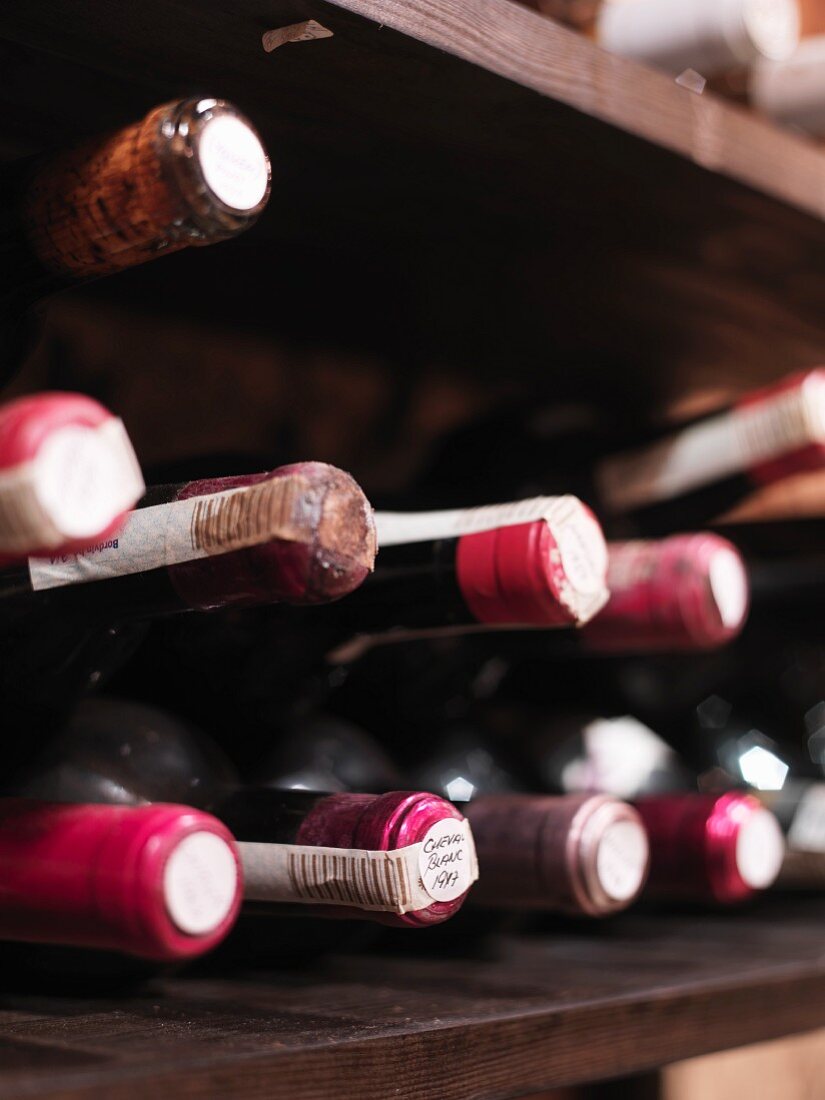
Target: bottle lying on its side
column 191, row 172
column 303, row 534
column 159, row 882
column 403, row 858
column 68, row 475
column 585, row 856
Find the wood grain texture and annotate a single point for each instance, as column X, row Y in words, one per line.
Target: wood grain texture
column 466, row 184
column 512, row 1016
column 539, row 54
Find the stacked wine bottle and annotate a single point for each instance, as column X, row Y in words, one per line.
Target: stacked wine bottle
column 530, row 686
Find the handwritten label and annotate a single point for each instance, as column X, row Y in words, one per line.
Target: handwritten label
column 439, row 868
column 447, row 860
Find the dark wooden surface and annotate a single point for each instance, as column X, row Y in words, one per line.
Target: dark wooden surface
column 523, row 1014
column 461, row 183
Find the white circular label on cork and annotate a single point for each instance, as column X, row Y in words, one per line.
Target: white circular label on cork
column 447, row 859
column 233, row 162
column 773, row 26
column 85, row 477
column 760, row 849
column 621, row 859
column 583, row 551
column 729, row 586
column 200, row 882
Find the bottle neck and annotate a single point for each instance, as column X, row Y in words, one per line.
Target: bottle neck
column 190, row 172
column 301, row 534
column 580, row 854
column 161, row 882
column 711, row 848
column 697, row 472
column 414, row 587
column 316, row 851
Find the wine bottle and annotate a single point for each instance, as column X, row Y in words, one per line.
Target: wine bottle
column 160, row 882
column 112, row 752
column 539, row 562
column 585, row 754
column 583, row 855
column 323, row 752
column 122, row 752
column 640, row 479
column 68, row 475
column 302, row 534
column 674, row 35
column 683, row 594
column 191, row 172
column 792, row 90
column 719, row 849
column 546, row 571
column 405, row 858
column 699, row 471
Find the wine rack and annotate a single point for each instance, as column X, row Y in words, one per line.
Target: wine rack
column 476, row 198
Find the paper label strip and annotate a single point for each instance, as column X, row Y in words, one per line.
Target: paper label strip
column 395, row 528
column 722, row 446
column 182, row 530
column 439, row 868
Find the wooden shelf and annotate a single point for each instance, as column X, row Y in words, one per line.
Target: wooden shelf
column 470, row 174
column 514, row 1015
column 460, row 185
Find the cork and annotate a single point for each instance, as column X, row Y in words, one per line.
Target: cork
column 119, row 200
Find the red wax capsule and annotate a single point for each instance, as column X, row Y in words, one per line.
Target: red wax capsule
column 719, row 848
column 161, row 882
column 68, row 475
column 684, row 593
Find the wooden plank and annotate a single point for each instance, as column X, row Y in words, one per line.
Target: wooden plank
column 537, row 53
column 478, row 187
column 506, row 1017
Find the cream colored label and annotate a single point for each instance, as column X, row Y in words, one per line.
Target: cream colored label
column 183, row 530
column 200, row 883
column 580, row 543
column 447, row 859
column 719, row 447
column 79, row 481
column 621, row 859
column 233, row 162
column 401, row 881
column 729, row 586
column 760, row 849
column 395, row 528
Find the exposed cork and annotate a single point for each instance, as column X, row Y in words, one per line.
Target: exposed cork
column 320, row 539
column 116, row 201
